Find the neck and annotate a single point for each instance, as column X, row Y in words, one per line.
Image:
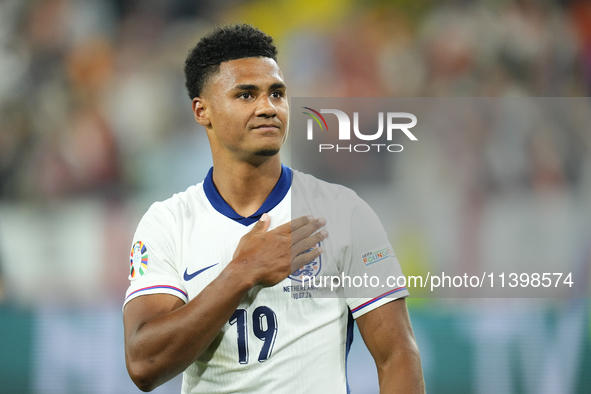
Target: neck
column 245, row 186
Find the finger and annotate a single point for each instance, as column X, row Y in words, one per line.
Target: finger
column 295, row 224
column 306, row 230
column 262, row 225
column 307, row 243
column 304, row 259
column 301, row 221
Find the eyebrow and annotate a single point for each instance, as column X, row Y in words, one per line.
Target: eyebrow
column 275, row 86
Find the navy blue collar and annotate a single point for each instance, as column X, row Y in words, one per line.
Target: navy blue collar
column 277, row 194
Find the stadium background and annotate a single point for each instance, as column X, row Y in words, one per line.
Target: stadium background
column 95, row 125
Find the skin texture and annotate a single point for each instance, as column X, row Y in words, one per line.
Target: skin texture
column 163, row 336
column 238, row 102
column 245, row 111
column 388, row 335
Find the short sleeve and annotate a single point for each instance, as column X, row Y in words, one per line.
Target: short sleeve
column 152, row 268
column 372, row 259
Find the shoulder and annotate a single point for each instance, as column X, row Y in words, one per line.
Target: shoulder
column 309, row 183
column 340, row 204
column 180, row 206
column 309, row 187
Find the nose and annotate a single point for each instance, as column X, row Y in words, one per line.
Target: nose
column 265, row 107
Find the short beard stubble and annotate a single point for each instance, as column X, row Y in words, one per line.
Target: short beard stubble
column 267, row 152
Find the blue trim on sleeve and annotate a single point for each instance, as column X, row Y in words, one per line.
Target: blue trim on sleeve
column 350, row 326
column 377, row 299
column 277, row 194
column 158, row 287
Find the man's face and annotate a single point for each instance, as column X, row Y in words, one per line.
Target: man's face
column 245, row 108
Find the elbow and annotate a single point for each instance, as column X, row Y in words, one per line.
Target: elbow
column 412, row 354
column 413, row 349
column 407, row 354
column 141, row 377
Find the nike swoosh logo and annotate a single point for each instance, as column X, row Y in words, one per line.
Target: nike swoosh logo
column 188, row 276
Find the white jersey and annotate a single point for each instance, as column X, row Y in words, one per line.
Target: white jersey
column 281, row 339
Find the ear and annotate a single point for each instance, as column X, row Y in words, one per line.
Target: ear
column 200, row 112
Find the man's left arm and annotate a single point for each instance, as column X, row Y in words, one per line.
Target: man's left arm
column 388, row 335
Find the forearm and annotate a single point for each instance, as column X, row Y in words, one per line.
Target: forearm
column 402, row 372
column 164, row 346
column 163, row 336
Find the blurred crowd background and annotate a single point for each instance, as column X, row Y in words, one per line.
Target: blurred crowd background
column 95, row 125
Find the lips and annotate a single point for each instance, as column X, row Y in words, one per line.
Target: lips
column 266, row 127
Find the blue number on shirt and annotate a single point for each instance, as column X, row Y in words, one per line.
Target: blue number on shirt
column 239, row 316
column 268, row 334
column 264, row 327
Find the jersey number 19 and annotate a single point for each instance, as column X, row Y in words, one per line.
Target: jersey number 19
column 264, row 324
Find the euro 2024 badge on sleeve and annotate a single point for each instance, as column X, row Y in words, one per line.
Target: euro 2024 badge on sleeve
column 138, row 259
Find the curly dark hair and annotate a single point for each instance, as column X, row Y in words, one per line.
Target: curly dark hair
column 221, row 45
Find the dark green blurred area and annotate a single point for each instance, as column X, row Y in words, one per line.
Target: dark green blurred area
column 449, row 370
column 16, row 348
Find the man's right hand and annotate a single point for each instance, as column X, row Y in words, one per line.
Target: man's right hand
column 268, row 257
column 163, row 336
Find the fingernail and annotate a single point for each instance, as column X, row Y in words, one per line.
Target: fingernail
column 321, row 221
column 265, row 217
column 324, row 233
column 319, row 249
column 310, row 217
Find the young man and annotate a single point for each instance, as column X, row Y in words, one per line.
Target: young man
column 210, row 267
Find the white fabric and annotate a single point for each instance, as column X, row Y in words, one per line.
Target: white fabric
column 307, row 351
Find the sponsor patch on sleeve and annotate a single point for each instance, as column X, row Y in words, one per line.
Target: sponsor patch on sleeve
column 377, row 255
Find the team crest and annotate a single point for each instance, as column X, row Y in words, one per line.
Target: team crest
column 138, row 259
column 311, row 269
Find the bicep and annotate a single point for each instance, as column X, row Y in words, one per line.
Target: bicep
column 387, row 330
column 146, row 307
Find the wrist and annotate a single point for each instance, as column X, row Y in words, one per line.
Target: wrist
column 240, row 274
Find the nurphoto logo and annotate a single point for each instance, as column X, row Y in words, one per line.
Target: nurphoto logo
column 392, row 125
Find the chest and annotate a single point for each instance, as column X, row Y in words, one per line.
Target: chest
column 206, row 247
